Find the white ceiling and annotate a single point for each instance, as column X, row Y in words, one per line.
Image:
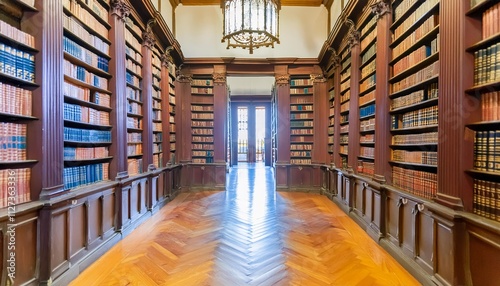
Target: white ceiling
column 250, row 85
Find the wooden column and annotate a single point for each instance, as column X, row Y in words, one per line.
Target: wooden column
column 454, row 147
column 336, row 134
column 321, row 111
column 382, row 117
column 147, row 91
column 354, row 101
column 283, row 120
column 183, row 117
column 220, row 113
column 117, row 67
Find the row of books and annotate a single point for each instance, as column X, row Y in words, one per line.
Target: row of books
column 370, row 25
column 203, row 161
column 199, row 146
column 344, row 107
column 80, row 73
column 417, row 157
column 156, row 94
column 135, row 137
column 132, row 54
column 330, row 138
column 345, row 96
column 156, row 104
column 157, row 127
column 76, row 28
column 86, row 135
column 132, row 41
column 402, row 8
column 301, row 116
column 367, row 110
column 156, row 82
column 134, row 123
column 207, row 153
column 346, row 61
column 368, row 38
column 421, row 117
column 133, row 67
column 202, row 82
column 132, row 26
column 304, row 90
column 133, row 94
column 367, row 83
column 344, row 139
column 331, row 114
column 172, row 138
column 85, row 114
column 300, row 161
column 420, row 183
column 301, row 132
column 366, row 168
column 203, row 139
column 132, row 79
column 305, row 123
column 487, row 150
column 367, row 98
column 295, row 107
column 14, row 186
column 367, row 125
column 416, row 35
column 344, row 76
column 487, row 65
column 15, row 100
column 202, row 116
column 300, row 154
column 85, row 55
column 171, row 100
column 80, row 153
column 17, row 63
column 17, row 35
column 158, row 160
column 84, row 16
column 202, row 131
column 134, row 107
column 415, row 97
column 414, row 79
column 157, row 115
column 300, row 82
column 301, row 147
column 344, row 86
column 491, row 25
column 135, row 149
column 486, row 199
column 76, row 91
column 414, row 17
column 415, row 57
column 297, row 139
column 490, row 106
column 344, row 149
column 367, row 152
column 12, row 141
column 83, row 175
column 344, row 128
column 134, row 166
column 420, row 138
column 369, row 53
column 301, row 100
column 367, row 138
column 368, row 69
column 202, row 107
column 202, row 124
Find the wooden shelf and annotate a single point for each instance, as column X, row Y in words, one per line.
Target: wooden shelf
column 368, row 61
column 16, row 164
column 129, row 44
column 85, row 44
column 366, row 158
column 413, row 164
column 367, row 131
column 420, row 42
column 412, row 146
column 495, row 176
column 417, row 23
column 25, row 6
column 484, row 125
column 367, row 76
column 134, row 156
column 487, row 87
column 86, row 144
column 368, row 90
column 133, row 60
column 410, row 130
column 134, row 115
column 367, row 117
column 134, row 73
column 84, row 84
column 87, row 27
column 84, row 125
column 343, row 154
column 18, row 81
column 415, row 106
column 133, row 100
column 405, row 15
column 15, row 117
column 414, row 87
column 130, row 129
column 16, row 44
column 369, row 144
column 69, row 99
column 133, row 86
column 479, row 9
column 97, row 17
column 74, row 163
column 367, row 103
column 87, row 66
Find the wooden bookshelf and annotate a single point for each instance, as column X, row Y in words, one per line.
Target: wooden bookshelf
column 172, row 140
column 345, row 96
column 367, row 89
column 301, row 120
column 202, row 120
column 485, row 125
column 87, row 99
column 157, row 109
column 414, row 96
column 134, row 70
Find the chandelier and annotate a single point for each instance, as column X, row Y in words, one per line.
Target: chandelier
column 251, row 24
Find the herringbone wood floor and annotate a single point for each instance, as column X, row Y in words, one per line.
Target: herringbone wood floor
column 249, row 235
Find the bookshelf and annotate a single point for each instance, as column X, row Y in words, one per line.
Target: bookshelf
column 17, row 82
column 157, row 109
column 413, row 86
column 345, row 97
column 485, row 51
column 367, row 89
column 331, row 118
column 134, row 95
column 87, row 99
column 202, row 120
column 301, row 120
column 171, row 114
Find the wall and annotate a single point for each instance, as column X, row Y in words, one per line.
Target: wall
column 303, row 31
column 166, row 12
column 250, row 85
column 335, row 11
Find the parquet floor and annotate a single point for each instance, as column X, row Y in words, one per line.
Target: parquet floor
column 249, row 235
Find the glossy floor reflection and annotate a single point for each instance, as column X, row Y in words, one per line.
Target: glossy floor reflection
column 249, row 235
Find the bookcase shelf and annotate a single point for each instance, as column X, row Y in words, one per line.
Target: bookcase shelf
column 406, row 13
column 416, row 106
column 480, row 89
column 25, row 6
column 414, row 87
column 418, row 43
column 416, row 165
column 71, row 163
column 17, row 164
column 428, row 13
column 417, row 128
column 17, row 81
column 86, row 26
column 368, row 90
column 94, row 14
column 484, row 125
column 12, row 117
column 85, row 85
column 86, row 144
column 84, row 44
column 480, row 8
column 418, row 66
column 84, row 125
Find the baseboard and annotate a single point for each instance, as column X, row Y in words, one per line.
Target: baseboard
column 75, row 270
column 203, row 189
column 359, row 220
column 301, row 190
column 409, row 264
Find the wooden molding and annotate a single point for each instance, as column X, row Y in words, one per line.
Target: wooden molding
column 120, row 9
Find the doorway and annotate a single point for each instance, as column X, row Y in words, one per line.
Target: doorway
column 251, row 132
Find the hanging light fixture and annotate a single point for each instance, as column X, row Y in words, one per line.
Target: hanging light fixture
column 251, row 24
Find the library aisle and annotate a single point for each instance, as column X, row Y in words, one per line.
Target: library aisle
column 249, row 235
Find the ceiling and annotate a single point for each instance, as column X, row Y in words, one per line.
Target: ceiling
column 283, row 2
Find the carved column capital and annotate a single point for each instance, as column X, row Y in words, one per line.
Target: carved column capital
column 148, row 39
column 283, row 79
column 380, row 8
column 182, row 78
column 166, row 58
column 334, row 58
column 353, row 34
column 219, row 78
column 318, row 78
column 120, row 9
